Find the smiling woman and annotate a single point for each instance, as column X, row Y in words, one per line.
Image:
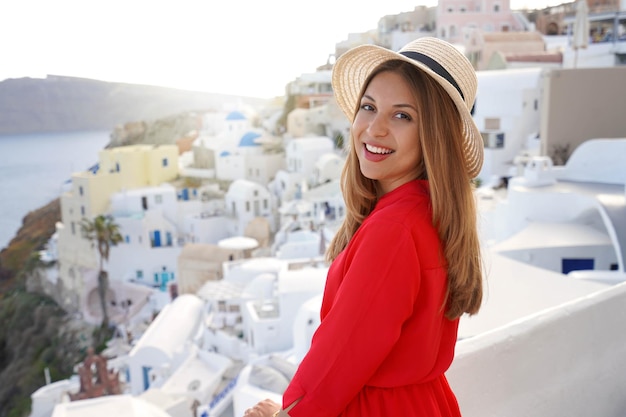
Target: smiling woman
column 385, row 132
column 406, row 261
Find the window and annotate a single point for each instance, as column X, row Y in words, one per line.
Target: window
column 139, row 274
column 247, row 206
column 492, row 123
column 158, row 198
column 80, row 190
column 82, row 211
column 164, row 162
column 73, row 226
column 496, row 8
column 127, row 239
column 569, row 265
column 117, row 167
column 265, row 204
column 493, row 140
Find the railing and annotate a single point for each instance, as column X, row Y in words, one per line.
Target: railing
column 219, row 398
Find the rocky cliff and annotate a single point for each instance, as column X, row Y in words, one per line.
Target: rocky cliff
column 64, row 104
column 35, row 333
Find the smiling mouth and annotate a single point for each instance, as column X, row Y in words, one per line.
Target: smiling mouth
column 377, row 150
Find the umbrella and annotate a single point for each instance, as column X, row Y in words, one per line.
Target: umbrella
column 580, row 38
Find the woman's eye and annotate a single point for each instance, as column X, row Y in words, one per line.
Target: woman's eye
column 367, row 107
column 403, row 116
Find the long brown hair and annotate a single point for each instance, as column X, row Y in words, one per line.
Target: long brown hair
column 451, row 189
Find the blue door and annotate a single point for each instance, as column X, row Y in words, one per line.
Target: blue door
column 164, row 280
column 156, row 238
column 146, row 377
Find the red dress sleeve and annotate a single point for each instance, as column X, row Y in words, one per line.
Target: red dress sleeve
column 371, row 291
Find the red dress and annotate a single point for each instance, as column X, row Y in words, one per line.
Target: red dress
column 383, row 344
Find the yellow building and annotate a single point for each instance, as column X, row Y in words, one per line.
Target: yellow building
column 119, row 168
column 141, row 165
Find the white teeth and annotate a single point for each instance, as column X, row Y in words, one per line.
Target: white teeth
column 376, row 149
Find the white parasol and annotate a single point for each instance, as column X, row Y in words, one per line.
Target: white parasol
column 580, row 37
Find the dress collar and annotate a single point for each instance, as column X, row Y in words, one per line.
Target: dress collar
column 414, row 187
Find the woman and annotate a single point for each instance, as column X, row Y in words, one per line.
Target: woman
column 406, row 261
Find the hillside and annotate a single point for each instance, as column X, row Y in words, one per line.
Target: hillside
column 63, row 104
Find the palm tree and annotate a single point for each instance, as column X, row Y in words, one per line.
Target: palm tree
column 104, row 233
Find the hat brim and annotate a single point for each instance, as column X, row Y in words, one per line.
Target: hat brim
column 354, row 67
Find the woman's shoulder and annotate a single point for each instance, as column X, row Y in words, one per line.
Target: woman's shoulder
column 409, row 205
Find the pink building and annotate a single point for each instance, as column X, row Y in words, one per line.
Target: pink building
column 456, row 18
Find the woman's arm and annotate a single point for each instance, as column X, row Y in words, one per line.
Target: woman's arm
column 381, row 279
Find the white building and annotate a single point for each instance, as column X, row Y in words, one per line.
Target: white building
column 507, row 113
column 147, row 218
column 47, row 397
column 199, row 377
column 112, row 405
column 269, row 375
column 567, row 218
column 310, row 162
column 245, row 201
column 327, row 168
column 248, row 160
column 230, row 148
column 166, row 343
column 303, row 153
column 268, row 319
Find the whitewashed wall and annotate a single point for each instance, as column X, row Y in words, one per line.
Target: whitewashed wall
column 566, row 361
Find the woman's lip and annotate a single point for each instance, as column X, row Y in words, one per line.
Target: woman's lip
column 375, row 157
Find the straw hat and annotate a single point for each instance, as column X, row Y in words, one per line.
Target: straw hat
column 437, row 58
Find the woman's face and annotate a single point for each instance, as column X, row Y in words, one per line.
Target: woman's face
column 385, row 132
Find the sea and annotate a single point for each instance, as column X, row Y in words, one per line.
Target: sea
column 34, row 168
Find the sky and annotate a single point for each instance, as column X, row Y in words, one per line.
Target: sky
column 241, row 47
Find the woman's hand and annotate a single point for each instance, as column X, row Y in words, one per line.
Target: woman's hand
column 265, row 408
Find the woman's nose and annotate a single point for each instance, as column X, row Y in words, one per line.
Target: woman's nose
column 378, row 126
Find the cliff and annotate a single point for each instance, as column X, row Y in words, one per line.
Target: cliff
column 36, row 333
column 64, row 104
column 37, row 228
